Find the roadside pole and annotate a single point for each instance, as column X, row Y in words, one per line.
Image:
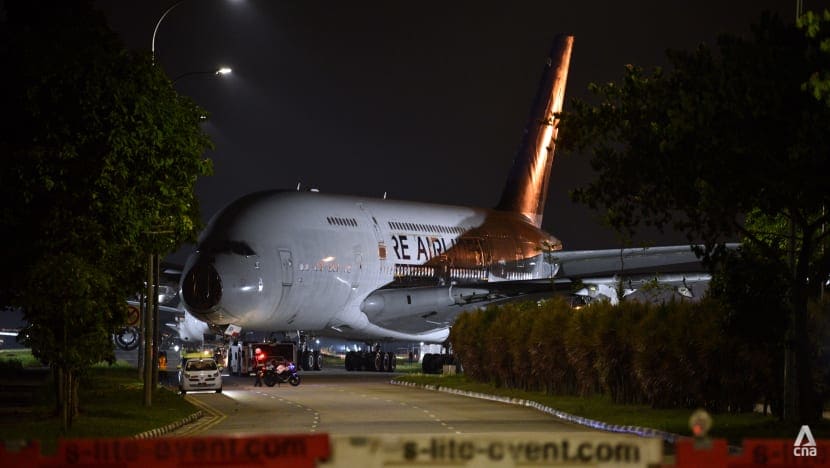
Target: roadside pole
column 154, row 365
column 148, row 337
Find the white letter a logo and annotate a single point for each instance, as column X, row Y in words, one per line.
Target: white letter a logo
column 805, row 432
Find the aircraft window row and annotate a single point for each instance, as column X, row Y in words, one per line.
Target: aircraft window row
column 417, row 271
column 425, row 227
column 468, row 274
column 517, row 275
column 421, row 271
column 236, row 247
column 335, row 221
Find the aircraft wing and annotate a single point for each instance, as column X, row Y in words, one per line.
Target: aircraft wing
column 648, row 274
column 584, row 263
column 651, row 274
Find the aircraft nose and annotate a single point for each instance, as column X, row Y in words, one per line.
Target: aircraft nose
column 202, row 288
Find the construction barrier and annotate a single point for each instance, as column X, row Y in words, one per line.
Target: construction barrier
column 467, row 450
column 754, row 452
column 262, row 451
column 493, row 450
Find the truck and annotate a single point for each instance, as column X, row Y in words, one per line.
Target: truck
column 243, row 358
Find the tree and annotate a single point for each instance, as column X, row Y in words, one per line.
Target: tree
column 99, row 152
column 755, row 318
column 719, row 136
column 817, row 27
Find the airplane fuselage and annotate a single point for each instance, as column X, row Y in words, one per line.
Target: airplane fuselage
column 356, row 267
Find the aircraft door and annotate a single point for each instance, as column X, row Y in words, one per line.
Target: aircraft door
column 287, row 265
column 378, row 237
column 375, row 230
column 358, row 269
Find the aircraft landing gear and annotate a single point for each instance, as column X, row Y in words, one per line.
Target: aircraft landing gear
column 376, row 361
column 434, row 363
column 309, row 359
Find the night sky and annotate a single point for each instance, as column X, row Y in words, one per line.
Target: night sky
column 423, row 100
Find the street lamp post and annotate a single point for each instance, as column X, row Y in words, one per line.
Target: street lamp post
column 151, row 306
column 149, row 327
column 158, row 23
column 151, row 323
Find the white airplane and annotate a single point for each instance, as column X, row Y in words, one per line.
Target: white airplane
column 379, row 270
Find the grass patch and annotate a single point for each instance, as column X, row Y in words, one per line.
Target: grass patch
column 23, row 356
column 734, row 427
column 111, row 405
column 403, row 365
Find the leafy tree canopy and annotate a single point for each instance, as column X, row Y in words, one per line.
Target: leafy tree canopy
column 817, row 27
column 716, row 137
column 725, row 143
column 99, row 150
column 100, row 158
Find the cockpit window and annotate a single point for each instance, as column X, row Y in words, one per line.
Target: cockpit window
column 227, row 246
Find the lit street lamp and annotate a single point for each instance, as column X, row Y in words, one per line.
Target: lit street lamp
column 218, row 72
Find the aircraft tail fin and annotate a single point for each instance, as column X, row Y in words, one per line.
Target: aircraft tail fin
column 527, row 185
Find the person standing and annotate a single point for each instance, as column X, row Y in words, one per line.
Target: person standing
column 258, row 381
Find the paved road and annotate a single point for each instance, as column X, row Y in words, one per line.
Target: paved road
column 358, row 403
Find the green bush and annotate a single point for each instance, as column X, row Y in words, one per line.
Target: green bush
column 551, row 370
column 617, row 347
column 467, row 335
column 582, row 349
column 677, row 354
